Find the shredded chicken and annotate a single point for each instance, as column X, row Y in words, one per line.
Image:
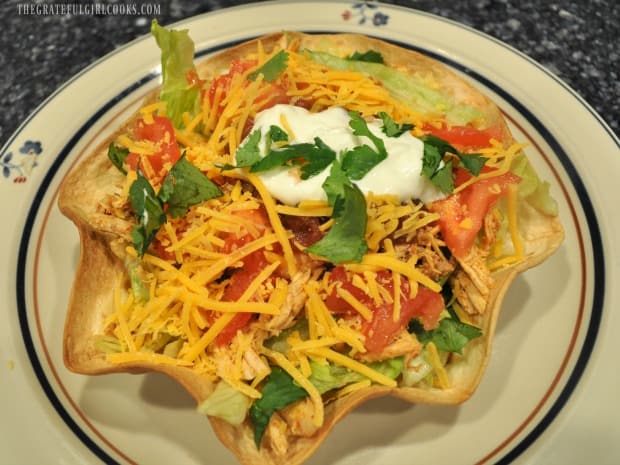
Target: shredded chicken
column 492, row 223
column 276, row 434
column 300, row 418
column 252, row 365
column 404, row 344
column 471, row 283
column 426, row 247
column 295, row 301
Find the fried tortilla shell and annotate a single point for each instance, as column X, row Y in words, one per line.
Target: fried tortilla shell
column 102, row 239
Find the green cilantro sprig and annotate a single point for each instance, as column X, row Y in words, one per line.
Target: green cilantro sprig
column 278, row 391
column 391, row 128
column 450, row 336
column 345, row 241
column 313, row 158
column 370, row 56
column 358, row 161
column 272, row 68
column 441, row 175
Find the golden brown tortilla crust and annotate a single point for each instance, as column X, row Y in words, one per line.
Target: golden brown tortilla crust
column 100, row 270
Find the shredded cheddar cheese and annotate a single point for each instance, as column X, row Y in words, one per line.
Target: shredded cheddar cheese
column 230, row 267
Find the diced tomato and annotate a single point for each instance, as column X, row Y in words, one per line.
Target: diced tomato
column 161, row 251
column 160, row 132
column 192, row 78
column 462, row 214
column 381, row 330
column 239, row 282
column 272, row 93
column 242, row 277
column 465, row 136
column 260, row 220
column 237, row 66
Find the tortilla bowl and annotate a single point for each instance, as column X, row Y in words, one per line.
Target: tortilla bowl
column 104, row 236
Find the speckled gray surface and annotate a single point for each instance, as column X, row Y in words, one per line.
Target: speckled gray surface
column 576, row 40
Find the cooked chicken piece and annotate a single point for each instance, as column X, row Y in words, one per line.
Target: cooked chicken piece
column 276, row 433
column 492, row 223
column 426, row 247
column 300, row 418
column 295, row 301
column 252, row 365
column 404, row 344
column 472, row 282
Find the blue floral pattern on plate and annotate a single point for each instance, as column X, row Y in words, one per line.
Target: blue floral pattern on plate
column 366, row 12
column 19, row 166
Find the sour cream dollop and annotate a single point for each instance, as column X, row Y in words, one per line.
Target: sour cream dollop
column 399, row 174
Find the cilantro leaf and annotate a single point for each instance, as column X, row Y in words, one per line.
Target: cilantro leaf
column 184, row 186
column 321, row 157
column 272, row 67
column 360, row 128
column 345, row 241
column 390, row 128
column 442, row 178
column 278, row 391
column 371, row 56
column 117, row 156
column 276, row 134
column 358, row 161
column 249, row 153
column 431, row 160
column 333, row 185
column 315, row 157
column 472, row 162
column 451, row 335
column 149, row 213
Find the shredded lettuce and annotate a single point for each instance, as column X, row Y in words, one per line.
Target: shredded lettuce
column 416, row 370
column 177, row 61
column 108, row 344
column 136, row 277
column 533, row 189
column 409, row 89
column 227, row 403
column 280, row 390
column 329, row 376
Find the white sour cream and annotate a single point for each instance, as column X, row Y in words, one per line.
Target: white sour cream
column 399, row 174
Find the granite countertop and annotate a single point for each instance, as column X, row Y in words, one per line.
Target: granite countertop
column 575, row 39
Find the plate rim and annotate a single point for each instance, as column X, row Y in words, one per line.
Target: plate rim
column 54, row 166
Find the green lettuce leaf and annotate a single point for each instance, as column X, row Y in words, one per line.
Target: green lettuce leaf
column 409, row 89
column 534, row 190
column 177, row 60
column 227, row 403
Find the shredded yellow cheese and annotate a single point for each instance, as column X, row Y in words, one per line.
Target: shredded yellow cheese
column 187, row 290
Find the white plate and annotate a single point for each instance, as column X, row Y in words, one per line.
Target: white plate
column 549, row 393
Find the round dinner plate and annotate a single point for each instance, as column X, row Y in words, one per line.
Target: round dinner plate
column 548, row 395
